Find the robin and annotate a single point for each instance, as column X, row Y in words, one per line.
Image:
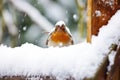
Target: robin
column 60, row 36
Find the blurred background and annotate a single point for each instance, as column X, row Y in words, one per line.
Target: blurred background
column 31, row 21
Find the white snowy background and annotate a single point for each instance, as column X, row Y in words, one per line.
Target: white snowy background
column 79, row 60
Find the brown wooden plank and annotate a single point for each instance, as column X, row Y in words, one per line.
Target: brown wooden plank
column 106, row 10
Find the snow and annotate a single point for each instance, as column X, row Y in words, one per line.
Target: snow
column 60, row 23
column 111, row 59
column 25, row 28
column 98, row 13
column 79, row 61
column 75, row 17
column 110, row 3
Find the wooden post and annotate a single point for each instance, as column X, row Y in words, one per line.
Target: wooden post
column 89, row 19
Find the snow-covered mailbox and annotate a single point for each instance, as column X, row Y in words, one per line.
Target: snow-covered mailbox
column 96, row 61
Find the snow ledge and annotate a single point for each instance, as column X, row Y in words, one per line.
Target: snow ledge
column 61, row 62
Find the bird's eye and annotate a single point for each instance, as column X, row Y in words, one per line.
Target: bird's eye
column 63, row 27
column 56, row 27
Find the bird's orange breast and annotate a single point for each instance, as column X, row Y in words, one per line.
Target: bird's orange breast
column 60, row 36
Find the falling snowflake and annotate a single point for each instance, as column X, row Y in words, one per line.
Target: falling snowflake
column 97, row 13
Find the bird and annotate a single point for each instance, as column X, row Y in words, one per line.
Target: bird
column 60, row 36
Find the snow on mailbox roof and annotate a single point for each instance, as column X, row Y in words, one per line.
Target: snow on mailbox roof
column 80, row 60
